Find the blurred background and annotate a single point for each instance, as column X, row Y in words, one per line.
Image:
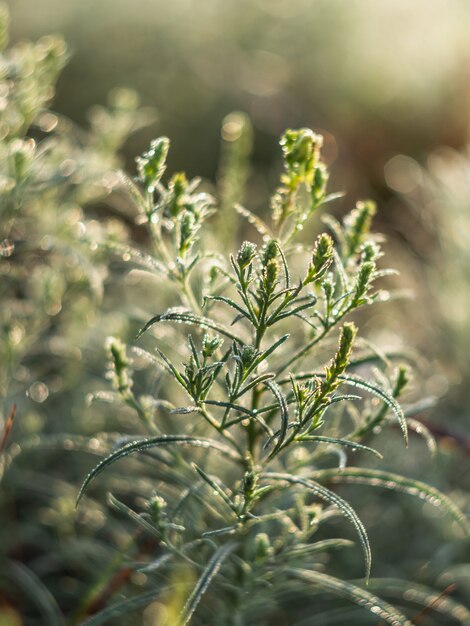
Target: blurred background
column 388, row 85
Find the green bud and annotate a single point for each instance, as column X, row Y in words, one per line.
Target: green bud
column 322, row 258
column 270, row 251
column 370, row 251
column 246, row 254
column 210, row 345
column 320, row 180
column 247, row 355
column 270, row 275
column 358, row 223
column 328, row 288
column 363, row 279
column 346, row 340
column 152, row 164
column 301, row 149
column 117, row 351
column 187, row 231
column 250, row 480
column 157, row 508
column 176, row 194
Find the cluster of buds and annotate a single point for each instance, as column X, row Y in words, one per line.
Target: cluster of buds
column 322, row 258
column 152, row 164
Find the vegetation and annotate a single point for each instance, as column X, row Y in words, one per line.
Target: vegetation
column 239, row 431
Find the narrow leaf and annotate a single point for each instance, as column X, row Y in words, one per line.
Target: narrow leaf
column 388, row 480
column 359, row 596
column 205, row 580
column 153, row 442
column 332, row 498
column 341, row 442
column 187, row 317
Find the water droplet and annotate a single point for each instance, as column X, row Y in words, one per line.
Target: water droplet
column 39, row 392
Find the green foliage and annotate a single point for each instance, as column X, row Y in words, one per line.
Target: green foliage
column 236, row 432
column 243, row 517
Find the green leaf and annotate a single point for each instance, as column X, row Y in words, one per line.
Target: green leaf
column 332, row 498
column 205, row 580
column 187, row 317
column 281, row 400
column 423, row 596
column 341, row 442
column 241, row 409
column 389, row 480
column 243, row 312
column 153, row 442
column 215, row 487
column 367, row 600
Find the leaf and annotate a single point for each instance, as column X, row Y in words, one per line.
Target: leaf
column 243, row 312
column 205, row 580
column 264, row 355
column 253, row 383
column 153, row 442
column 332, row 498
column 241, row 409
column 420, row 429
column 272, row 386
column 427, row 597
column 217, row 488
column 359, row 596
column 341, row 442
column 388, row 480
column 187, row 317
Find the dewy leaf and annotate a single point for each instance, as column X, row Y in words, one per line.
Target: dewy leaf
column 153, row 442
column 389, row 480
column 367, row 600
column 332, row 498
column 205, row 580
column 341, row 442
column 187, row 317
column 284, row 414
column 424, row 596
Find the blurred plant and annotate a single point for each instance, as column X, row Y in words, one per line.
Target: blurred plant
column 49, row 288
column 242, row 516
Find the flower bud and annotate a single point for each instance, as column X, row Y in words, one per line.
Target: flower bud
column 152, row 164
column 246, row 254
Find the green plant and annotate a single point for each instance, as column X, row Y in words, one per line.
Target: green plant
column 235, row 479
column 52, row 175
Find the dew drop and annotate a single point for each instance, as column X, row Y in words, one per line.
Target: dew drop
column 39, row 392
